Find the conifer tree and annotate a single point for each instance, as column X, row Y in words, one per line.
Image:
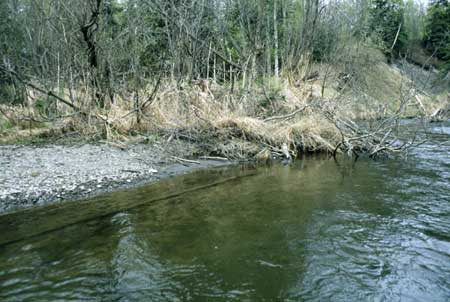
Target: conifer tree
column 388, row 22
column 437, row 38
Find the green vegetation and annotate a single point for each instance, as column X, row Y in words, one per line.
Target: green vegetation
column 388, row 22
column 437, row 38
column 111, row 69
column 112, row 47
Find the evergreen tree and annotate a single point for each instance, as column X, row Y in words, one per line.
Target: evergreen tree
column 11, row 49
column 388, row 22
column 437, row 38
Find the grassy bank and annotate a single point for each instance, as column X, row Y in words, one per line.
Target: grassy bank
column 316, row 111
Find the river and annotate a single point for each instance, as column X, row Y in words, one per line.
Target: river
column 319, row 230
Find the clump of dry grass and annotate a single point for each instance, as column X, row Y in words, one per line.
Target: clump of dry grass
column 229, row 127
column 235, row 124
column 224, row 123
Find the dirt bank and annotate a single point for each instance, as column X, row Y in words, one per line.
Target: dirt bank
column 31, row 175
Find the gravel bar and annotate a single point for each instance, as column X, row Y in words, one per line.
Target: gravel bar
column 32, row 175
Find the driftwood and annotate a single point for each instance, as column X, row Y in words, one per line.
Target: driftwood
column 183, row 160
column 440, row 113
column 286, row 116
column 356, row 139
column 117, row 145
column 214, row 158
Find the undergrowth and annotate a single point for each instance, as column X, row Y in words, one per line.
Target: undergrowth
column 248, row 122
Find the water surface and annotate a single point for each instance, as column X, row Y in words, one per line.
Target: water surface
column 319, row 230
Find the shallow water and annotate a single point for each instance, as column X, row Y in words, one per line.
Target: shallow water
column 319, row 230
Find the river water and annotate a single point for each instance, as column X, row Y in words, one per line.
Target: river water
column 319, row 230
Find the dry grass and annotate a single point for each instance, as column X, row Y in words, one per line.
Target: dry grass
column 233, row 124
column 234, row 127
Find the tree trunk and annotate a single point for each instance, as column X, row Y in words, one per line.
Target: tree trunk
column 275, row 36
column 268, row 52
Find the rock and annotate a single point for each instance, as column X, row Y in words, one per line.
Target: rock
column 396, row 143
column 39, row 175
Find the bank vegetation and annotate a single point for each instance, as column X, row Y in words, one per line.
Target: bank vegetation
column 239, row 79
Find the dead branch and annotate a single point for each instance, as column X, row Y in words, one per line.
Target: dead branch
column 214, row 158
column 286, row 116
column 183, row 160
column 148, row 101
column 41, row 90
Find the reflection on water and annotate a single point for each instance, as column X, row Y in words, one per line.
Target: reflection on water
column 316, row 231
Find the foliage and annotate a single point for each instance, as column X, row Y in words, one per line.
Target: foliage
column 388, row 22
column 97, row 51
column 414, row 18
column 437, row 38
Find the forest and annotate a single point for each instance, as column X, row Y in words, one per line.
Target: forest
column 236, row 72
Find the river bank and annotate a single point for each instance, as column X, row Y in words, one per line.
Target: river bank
column 308, row 116
column 39, row 175
column 224, row 234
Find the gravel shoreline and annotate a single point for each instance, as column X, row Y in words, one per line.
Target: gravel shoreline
column 32, row 175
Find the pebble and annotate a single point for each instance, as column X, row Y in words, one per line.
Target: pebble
column 30, row 174
column 40, row 175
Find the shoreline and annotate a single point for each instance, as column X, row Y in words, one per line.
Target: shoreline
column 40, row 175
